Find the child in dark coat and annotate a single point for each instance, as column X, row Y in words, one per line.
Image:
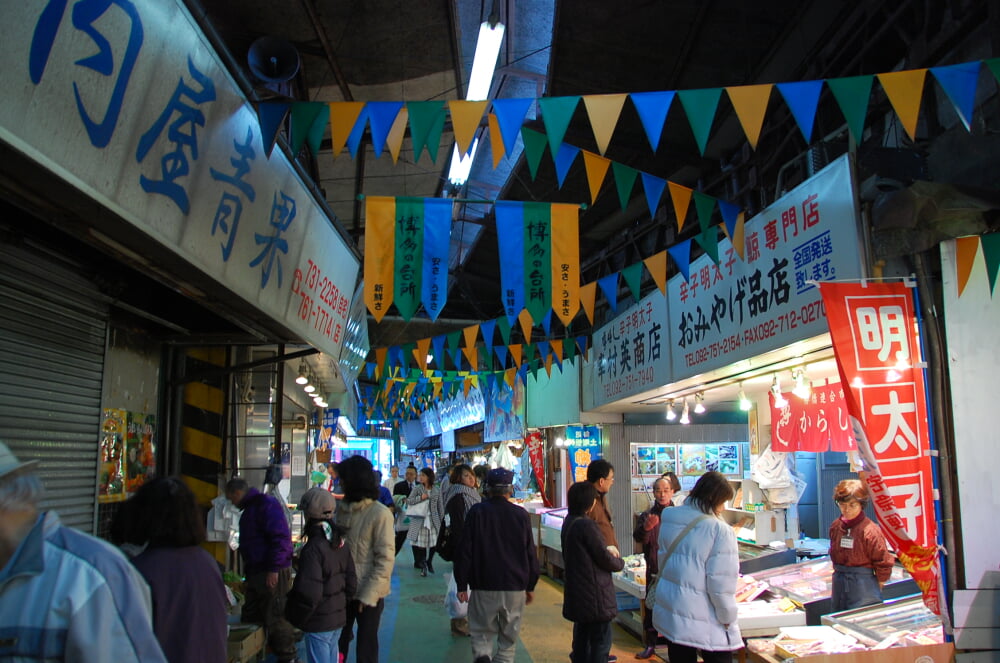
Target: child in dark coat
column 589, row 595
column 317, row 602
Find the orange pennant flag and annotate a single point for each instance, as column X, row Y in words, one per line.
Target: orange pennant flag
column 565, row 240
column 408, row 389
column 465, row 119
column 966, row 249
column 509, row 375
column 681, row 196
column 380, row 251
column 588, row 296
column 739, row 244
column 603, row 110
column 515, row 353
column 905, row 89
column 466, row 386
column 394, row 141
column 657, row 266
column 750, row 104
column 421, row 352
column 380, row 354
column 472, row 354
column 548, row 365
column 343, row 115
column 470, row 333
column 525, row 319
column 557, row 348
column 597, row 167
column 496, row 140
column 437, row 385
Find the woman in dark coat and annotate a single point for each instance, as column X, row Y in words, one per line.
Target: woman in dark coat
column 589, row 595
column 317, row 602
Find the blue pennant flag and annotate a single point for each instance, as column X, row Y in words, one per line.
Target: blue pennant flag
column 730, row 215
column 487, row 328
column 802, row 98
column 510, row 240
column 437, row 343
column 652, row 108
column 681, row 253
column 609, row 286
column 271, row 114
column 501, row 351
column 959, row 82
column 354, row 138
column 654, row 191
column 564, row 159
column 437, row 243
column 510, row 116
column 581, row 342
column 381, row 115
column 547, row 323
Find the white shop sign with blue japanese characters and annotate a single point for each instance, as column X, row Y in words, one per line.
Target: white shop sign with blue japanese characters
column 741, row 309
column 629, row 355
column 127, row 101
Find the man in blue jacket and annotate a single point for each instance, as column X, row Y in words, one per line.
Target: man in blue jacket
column 266, row 549
column 495, row 557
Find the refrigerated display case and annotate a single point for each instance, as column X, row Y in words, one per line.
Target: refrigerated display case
column 550, row 535
column 809, row 585
column 755, row 558
column 906, row 621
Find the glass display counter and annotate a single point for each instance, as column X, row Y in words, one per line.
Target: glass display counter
column 550, row 538
column 755, row 558
column 906, row 621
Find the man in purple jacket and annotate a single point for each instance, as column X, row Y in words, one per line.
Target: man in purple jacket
column 266, row 549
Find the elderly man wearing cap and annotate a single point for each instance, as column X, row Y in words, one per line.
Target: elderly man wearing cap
column 495, row 557
column 64, row 595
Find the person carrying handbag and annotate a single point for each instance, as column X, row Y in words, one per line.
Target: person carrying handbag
column 423, row 530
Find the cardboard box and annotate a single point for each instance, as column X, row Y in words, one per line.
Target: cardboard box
column 246, row 643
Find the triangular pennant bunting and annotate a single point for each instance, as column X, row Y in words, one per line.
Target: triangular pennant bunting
column 343, row 116
column 556, row 114
column 905, row 89
column 609, row 286
column 959, row 82
column 465, row 119
column 603, row 110
column 624, row 180
column 564, row 159
column 681, row 255
column 681, row 197
column 633, row 279
column 750, row 104
column 425, row 117
column 852, row 95
column 534, row 148
column 802, row 99
column 271, row 115
column 597, row 169
column 510, row 115
column 652, row 108
column 700, row 107
column 657, row 266
column 653, row 186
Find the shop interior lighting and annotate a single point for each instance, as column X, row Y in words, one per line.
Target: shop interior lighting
column 302, row 378
column 779, row 398
column 671, row 413
column 699, row 403
column 560, row 442
column 309, row 386
column 484, row 64
column 802, row 387
column 745, row 403
column 685, row 418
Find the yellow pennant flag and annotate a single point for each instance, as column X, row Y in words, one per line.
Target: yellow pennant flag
column 657, row 266
column 395, row 138
column 750, row 104
column 597, row 168
column 466, row 386
column 380, row 354
column 437, row 388
column 408, row 390
column 343, row 115
column 565, row 261
column 471, row 333
column 496, row 139
column 525, row 319
column 472, row 354
column 380, row 250
column 509, row 375
column 588, row 297
column 681, row 197
column 738, row 242
column 515, row 353
column 465, row 118
column 966, row 250
column 603, row 110
column 421, row 352
column 905, row 89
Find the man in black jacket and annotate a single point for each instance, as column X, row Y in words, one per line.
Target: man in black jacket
column 496, row 558
column 403, row 489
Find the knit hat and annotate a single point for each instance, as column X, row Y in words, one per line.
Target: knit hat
column 317, row 504
column 10, row 465
column 499, row 477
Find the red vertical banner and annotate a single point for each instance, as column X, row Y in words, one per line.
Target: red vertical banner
column 536, row 454
column 819, row 423
column 874, row 333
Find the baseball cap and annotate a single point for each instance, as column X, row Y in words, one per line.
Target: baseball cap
column 318, row 504
column 10, row 465
column 499, row 477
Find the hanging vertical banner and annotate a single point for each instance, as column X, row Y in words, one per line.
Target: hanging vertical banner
column 819, row 423
column 738, row 309
column 380, row 247
column 538, row 258
column 580, row 458
column 510, row 241
column 874, row 332
column 536, row 454
column 437, row 241
column 566, row 261
column 409, row 254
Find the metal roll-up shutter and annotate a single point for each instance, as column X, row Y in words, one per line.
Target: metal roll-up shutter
column 53, row 326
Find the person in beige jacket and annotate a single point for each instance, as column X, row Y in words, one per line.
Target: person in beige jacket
column 369, row 533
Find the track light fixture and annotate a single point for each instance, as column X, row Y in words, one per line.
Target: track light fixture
column 779, row 398
column 685, row 418
column 803, row 389
column 309, row 387
column 699, row 403
column 302, row 378
column 671, row 414
column 745, row 403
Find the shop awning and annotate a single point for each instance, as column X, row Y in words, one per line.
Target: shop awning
column 429, row 443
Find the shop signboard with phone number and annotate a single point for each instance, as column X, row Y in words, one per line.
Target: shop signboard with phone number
column 743, row 308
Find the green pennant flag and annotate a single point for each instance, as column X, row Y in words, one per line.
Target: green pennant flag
column 453, row 339
column 569, row 349
column 408, row 358
column 529, row 353
column 993, row 64
column 305, row 115
column 556, row 114
column 709, row 240
column 534, row 148
column 704, row 205
column 503, row 324
column 700, row 107
column 409, row 259
column 852, row 95
column 537, row 258
column 991, row 253
column 426, row 124
column 624, row 180
column 633, row 278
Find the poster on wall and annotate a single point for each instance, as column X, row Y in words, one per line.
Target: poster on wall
column 504, row 411
column 580, row 458
column 688, row 461
column 649, row 463
column 111, row 467
column 140, row 450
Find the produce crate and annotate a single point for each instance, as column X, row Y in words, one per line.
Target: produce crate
column 246, row 643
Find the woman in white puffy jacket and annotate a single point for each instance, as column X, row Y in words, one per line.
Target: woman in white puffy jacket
column 695, row 602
